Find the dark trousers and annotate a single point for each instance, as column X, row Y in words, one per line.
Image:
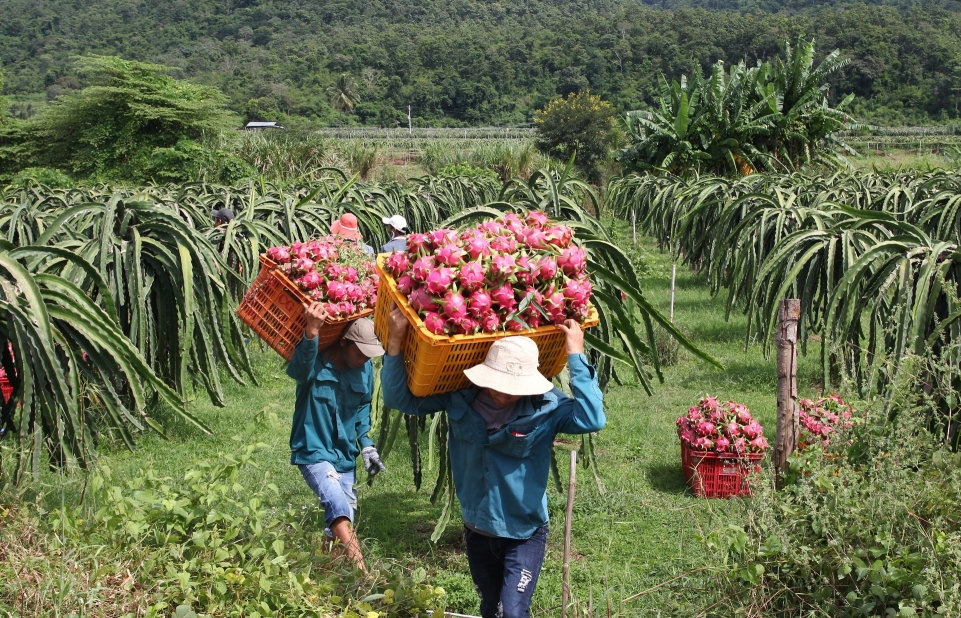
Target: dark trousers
column 505, row 571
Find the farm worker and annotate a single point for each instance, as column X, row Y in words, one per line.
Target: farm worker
column 347, row 227
column 502, row 431
column 332, row 419
column 396, row 224
column 222, row 216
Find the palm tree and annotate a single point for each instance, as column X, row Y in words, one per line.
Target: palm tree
column 343, row 94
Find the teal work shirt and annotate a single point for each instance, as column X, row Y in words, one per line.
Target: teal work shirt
column 332, row 409
column 501, row 480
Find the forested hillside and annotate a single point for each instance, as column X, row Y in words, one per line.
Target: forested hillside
column 469, row 62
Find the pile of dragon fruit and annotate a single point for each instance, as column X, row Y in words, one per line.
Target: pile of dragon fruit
column 723, row 428
column 819, row 419
column 330, row 270
column 512, row 273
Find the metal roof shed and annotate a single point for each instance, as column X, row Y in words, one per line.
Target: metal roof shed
column 256, row 126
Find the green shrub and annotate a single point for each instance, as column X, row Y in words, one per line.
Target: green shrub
column 871, row 526
column 211, row 544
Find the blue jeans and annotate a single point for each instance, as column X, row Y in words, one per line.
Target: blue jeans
column 335, row 490
column 505, row 571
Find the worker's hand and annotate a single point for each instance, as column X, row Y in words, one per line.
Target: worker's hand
column 316, row 316
column 397, row 325
column 574, row 336
column 372, row 462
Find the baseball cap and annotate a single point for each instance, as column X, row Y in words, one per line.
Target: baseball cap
column 397, row 222
column 361, row 332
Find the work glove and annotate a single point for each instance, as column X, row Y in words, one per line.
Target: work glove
column 372, row 462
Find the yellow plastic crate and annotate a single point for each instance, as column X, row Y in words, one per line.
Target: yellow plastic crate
column 436, row 363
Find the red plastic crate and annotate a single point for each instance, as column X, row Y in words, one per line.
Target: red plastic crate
column 274, row 309
column 6, row 389
column 711, row 476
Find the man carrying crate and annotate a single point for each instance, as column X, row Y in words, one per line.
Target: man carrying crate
column 331, row 416
column 502, row 431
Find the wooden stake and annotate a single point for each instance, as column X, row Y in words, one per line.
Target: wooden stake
column 673, row 277
column 785, row 442
column 565, row 589
column 634, row 225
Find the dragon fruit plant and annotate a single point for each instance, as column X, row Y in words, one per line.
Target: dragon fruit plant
column 330, row 270
column 514, row 273
column 723, row 428
column 822, row 418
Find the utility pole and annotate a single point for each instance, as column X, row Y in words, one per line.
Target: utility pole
column 785, row 442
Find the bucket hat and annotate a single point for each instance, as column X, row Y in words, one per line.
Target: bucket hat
column 346, row 226
column 398, row 222
column 511, row 368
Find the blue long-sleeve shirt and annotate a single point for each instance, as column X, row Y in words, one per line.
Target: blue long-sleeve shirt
column 332, row 409
column 501, row 480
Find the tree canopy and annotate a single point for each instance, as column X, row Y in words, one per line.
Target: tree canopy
column 471, row 62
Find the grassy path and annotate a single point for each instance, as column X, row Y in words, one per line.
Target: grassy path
column 639, row 533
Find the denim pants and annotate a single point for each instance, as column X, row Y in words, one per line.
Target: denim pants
column 505, row 571
column 335, row 490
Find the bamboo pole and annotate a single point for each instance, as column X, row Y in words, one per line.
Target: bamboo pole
column 673, row 278
column 789, row 313
column 565, row 590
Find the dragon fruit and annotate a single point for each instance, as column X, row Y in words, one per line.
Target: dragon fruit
column 439, row 280
column 572, row 261
column 422, row 267
column 281, row 255
column 471, row 276
column 720, row 426
column 310, row 281
column 435, row 323
column 490, row 266
column 479, row 303
column 455, row 307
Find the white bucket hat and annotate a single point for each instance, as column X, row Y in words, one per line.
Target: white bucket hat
column 397, row 222
column 510, row 368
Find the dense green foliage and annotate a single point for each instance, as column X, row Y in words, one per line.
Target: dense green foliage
column 875, row 259
column 131, row 122
column 774, row 116
column 474, row 62
column 579, row 126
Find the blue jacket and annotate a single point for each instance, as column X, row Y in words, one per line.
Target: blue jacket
column 395, row 244
column 501, row 480
column 332, row 409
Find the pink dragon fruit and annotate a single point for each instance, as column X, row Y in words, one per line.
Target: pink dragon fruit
column 709, row 404
column 537, row 218
column 397, row 263
column 405, row 285
column 336, row 291
column 310, row 281
column 546, row 268
column 490, row 322
column 435, row 323
column 732, row 429
column 705, row 429
column 353, row 292
column 478, row 247
column 492, row 227
column 740, row 445
column 722, row 444
column 743, row 414
column 694, row 413
column 454, row 305
column 450, row 255
column 533, row 237
column 442, row 237
column 421, row 301
column 560, row 236
column 467, row 326
column 554, row 306
column 422, row 267
column 572, row 261
column 479, row 303
column 303, row 265
column 279, row 254
column 578, row 292
column 504, row 297
column 333, row 272
column 504, row 244
column 418, row 244
column 502, row 266
column 350, row 274
column 703, row 444
column 759, row 444
column 439, row 280
column 471, row 276
column 515, row 325
column 512, row 222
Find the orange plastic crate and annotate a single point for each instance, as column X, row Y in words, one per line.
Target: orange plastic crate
column 709, row 475
column 436, row 363
column 274, row 309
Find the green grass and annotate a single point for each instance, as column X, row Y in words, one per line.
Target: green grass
column 640, row 532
